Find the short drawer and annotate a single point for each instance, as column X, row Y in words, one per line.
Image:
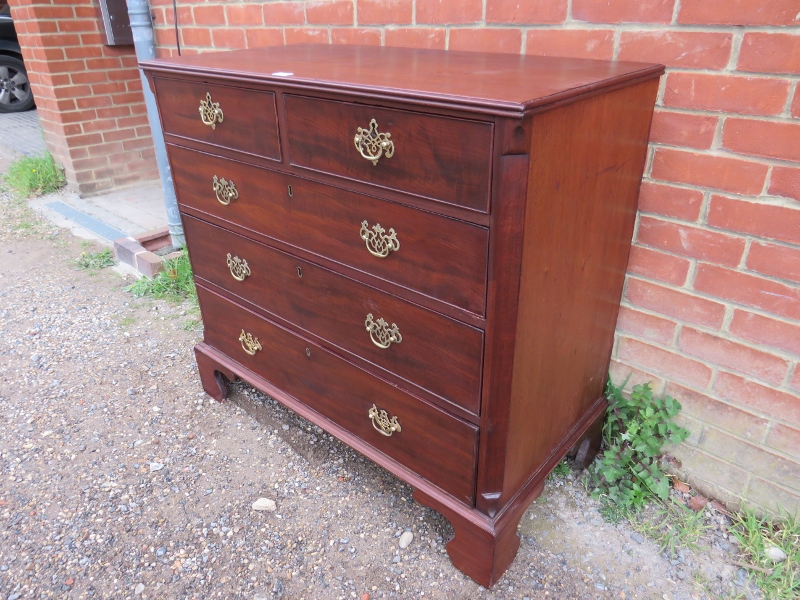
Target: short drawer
column 231, row 117
column 431, row 442
column 438, row 256
column 442, row 158
column 430, row 350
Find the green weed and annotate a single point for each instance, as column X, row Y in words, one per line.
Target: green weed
column 174, row 282
column 34, row 176
column 672, row 525
column 92, row 261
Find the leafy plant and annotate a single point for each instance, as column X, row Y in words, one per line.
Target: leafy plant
column 173, row 282
column 758, row 535
column 629, row 472
column 34, row 176
column 91, row 261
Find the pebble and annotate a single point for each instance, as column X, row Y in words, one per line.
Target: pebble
column 139, row 589
column 154, row 466
column 775, row 554
column 405, row 539
column 637, row 537
column 265, row 504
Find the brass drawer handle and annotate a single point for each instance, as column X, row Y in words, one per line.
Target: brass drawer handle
column 381, row 334
column 378, row 243
column 239, row 267
column 210, row 112
column 382, row 423
column 372, row 145
column 250, row 344
column 225, row 190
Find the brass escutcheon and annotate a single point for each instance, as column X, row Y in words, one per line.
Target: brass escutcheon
column 381, row 334
column 382, row 423
column 372, row 145
column 250, row 344
column 378, row 243
column 210, row 112
column 225, row 190
column 239, row 267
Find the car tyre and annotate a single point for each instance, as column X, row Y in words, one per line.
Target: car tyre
column 15, row 88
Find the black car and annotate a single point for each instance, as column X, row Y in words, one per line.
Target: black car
column 15, row 89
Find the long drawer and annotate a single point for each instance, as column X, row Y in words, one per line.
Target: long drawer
column 436, row 157
column 430, row 350
column 438, row 256
column 434, row 444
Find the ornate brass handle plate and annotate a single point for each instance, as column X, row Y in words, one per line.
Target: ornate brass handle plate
column 250, row 344
column 378, row 243
column 382, row 423
column 225, row 190
column 381, row 334
column 239, row 267
column 210, row 112
column 372, row 145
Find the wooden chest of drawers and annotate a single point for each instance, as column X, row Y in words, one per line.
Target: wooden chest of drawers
column 421, row 252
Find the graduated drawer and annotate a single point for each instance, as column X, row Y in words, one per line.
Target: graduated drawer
column 440, row 257
column 439, row 354
column 434, row 444
column 246, row 120
column 442, row 158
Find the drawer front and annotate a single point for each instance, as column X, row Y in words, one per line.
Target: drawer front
column 432, row 351
column 434, row 444
column 436, row 157
column 440, row 257
column 240, row 119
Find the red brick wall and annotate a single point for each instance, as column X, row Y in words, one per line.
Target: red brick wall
column 89, row 96
column 711, row 312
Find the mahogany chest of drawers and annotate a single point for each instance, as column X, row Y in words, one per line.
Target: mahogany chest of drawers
column 421, row 252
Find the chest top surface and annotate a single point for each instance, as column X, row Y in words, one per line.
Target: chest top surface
column 506, row 83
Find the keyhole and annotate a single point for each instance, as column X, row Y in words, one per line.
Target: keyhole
column 299, row 272
column 308, row 352
column 291, row 193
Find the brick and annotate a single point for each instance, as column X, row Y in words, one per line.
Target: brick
column 733, row 355
column 529, row 12
column 93, row 102
column 671, row 201
column 658, row 265
column 97, row 64
column 756, row 218
column 770, row 52
column 443, row 12
column 682, row 129
column 208, row 15
column 750, row 290
column 573, row 43
column 784, row 439
column 623, row 11
column 118, row 134
column 228, row 38
column 674, row 303
column 775, row 499
column 264, row 37
column 356, row 35
column 486, row 40
column 771, row 139
column 726, row 93
column 782, row 262
column 701, row 470
column 694, row 242
column 86, row 140
column 284, row 13
column 105, row 149
column 619, row 372
column 198, row 36
column 766, row 331
column 416, row 38
column 719, row 414
column 785, row 181
column 77, row 25
column 796, row 104
column 114, row 87
column 738, row 12
column 795, row 381
column 330, row 12
column 766, row 464
column 709, row 170
column 663, row 362
column 646, row 326
column 137, row 144
column 244, row 14
column 305, row 35
column 384, row 12
column 54, row 12
column 687, row 49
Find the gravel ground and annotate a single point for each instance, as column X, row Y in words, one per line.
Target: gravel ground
column 120, row 478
